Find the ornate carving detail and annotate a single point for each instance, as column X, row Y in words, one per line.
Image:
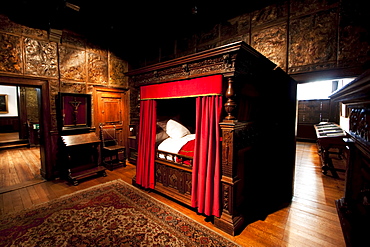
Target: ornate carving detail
column 269, row 14
column 71, row 87
column 173, row 179
column 185, row 68
column 303, row 7
column 313, row 41
column 227, row 154
column 9, row 26
column 272, row 43
column 71, row 39
column 117, row 68
column 10, row 54
column 204, row 66
column 230, row 105
column 72, row 64
column 97, row 68
column 226, row 197
column 360, row 123
column 40, row 58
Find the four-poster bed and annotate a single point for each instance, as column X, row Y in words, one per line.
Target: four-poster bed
column 244, row 147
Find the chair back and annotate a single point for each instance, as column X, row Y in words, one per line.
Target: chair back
column 108, row 135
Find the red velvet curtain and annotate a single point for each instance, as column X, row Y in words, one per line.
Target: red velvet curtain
column 202, row 86
column 146, row 144
column 206, row 176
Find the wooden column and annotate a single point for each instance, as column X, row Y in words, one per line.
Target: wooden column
column 231, row 219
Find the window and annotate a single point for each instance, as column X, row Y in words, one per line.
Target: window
column 320, row 89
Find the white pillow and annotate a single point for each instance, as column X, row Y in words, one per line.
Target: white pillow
column 176, row 130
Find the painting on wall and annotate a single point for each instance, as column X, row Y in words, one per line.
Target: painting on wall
column 4, row 103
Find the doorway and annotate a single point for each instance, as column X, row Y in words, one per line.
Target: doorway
column 38, row 153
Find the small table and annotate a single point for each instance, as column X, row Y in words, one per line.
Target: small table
column 330, row 136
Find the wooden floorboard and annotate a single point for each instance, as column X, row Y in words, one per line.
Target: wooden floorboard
column 310, row 220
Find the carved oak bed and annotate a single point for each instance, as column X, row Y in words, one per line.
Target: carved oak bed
column 243, row 116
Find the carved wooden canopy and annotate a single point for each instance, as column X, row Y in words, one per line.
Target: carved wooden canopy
column 233, row 59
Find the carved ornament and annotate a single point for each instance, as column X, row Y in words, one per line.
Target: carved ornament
column 40, row 58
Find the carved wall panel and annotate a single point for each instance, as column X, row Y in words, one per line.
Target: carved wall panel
column 53, row 91
column 209, row 35
column 9, row 26
column 71, row 39
column 272, row 43
column 72, row 63
column 10, row 54
column 40, row 58
column 304, row 7
column 35, row 33
column 117, row 68
column 354, row 35
column 32, row 104
column 229, row 29
column 97, row 68
column 313, row 42
column 70, row 87
column 269, row 14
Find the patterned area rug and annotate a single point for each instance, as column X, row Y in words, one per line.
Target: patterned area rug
column 111, row 214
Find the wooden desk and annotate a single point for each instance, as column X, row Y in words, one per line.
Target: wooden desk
column 330, row 136
column 81, row 156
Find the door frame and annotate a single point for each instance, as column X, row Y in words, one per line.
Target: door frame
column 45, row 119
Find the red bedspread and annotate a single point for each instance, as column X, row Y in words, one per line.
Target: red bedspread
column 188, row 148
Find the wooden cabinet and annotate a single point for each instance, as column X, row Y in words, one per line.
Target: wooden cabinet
column 354, row 207
column 311, row 112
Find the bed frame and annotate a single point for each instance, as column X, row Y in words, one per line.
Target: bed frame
column 258, row 132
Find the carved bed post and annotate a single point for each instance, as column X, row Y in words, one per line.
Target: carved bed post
column 230, row 105
column 231, row 220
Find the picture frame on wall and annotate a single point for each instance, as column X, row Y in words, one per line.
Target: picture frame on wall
column 4, row 103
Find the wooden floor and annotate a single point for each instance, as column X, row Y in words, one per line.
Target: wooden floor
column 310, row 220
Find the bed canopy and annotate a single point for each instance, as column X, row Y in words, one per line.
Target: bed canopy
column 233, row 177
column 206, row 164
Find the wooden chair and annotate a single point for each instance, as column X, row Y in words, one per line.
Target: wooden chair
column 113, row 154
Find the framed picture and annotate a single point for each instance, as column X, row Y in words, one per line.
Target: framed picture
column 4, row 103
column 74, row 111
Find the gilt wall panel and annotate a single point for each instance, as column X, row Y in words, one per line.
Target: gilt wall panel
column 10, row 54
column 53, row 91
column 272, row 43
column 35, row 33
column 72, row 63
column 8, row 26
column 269, row 14
column 32, row 104
column 40, row 58
column 70, row 87
column 97, row 68
column 354, row 35
column 313, row 42
column 117, row 68
column 304, row 7
column 70, row 39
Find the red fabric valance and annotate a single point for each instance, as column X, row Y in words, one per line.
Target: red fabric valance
column 203, row 86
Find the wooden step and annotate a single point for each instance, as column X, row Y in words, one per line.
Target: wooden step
column 14, row 144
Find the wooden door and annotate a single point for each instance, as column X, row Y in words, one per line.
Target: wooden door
column 111, row 108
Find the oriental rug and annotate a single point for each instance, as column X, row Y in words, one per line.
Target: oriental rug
column 110, row 214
